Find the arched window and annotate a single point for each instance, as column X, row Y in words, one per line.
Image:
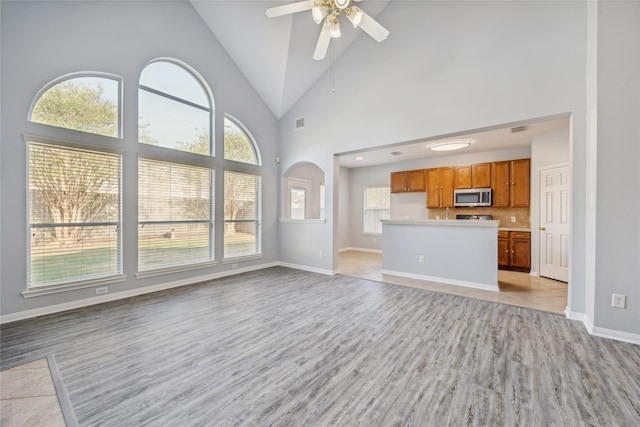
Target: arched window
column 238, row 145
column 175, row 109
column 176, row 195
column 74, row 190
column 84, row 102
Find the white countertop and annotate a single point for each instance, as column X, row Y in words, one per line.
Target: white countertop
column 521, row 229
column 444, row 222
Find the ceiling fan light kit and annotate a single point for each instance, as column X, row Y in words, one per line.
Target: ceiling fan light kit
column 329, row 11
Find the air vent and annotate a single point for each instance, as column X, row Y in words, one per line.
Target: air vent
column 519, row 129
column 395, row 153
column 299, row 123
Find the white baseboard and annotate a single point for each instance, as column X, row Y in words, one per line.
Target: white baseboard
column 616, row 335
column 375, row 251
column 307, row 268
column 42, row 311
column 475, row 285
column 597, row 331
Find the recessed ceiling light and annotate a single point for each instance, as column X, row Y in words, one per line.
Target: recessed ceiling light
column 359, row 158
column 396, row 153
column 449, row 146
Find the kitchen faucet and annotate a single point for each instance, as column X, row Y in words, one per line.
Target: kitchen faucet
column 446, row 213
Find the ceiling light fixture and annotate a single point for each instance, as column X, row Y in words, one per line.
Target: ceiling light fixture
column 449, row 146
column 359, row 158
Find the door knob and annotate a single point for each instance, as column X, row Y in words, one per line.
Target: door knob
column 542, row 228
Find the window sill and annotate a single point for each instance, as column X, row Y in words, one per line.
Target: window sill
column 242, row 258
column 304, row 221
column 54, row 289
column 174, row 269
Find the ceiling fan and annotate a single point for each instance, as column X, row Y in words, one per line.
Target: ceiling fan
column 329, row 11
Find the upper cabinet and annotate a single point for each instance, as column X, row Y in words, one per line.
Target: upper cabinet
column 481, row 175
column 520, row 177
column 462, row 177
column 474, row 176
column 510, row 181
column 408, row 181
column 440, row 182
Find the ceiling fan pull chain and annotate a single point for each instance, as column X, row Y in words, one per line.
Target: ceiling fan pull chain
column 333, row 70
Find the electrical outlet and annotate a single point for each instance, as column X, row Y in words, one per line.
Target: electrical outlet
column 234, row 265
column 103, row 290
column 618, row 300
column 513, row 219
column 321, row 254
column 375, row 239
column 421, row 258
column 437, row 216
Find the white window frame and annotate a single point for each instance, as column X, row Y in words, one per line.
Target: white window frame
column 258, row 201
column 365, row 210
column 304, row 184
column 77, row 75
column 210, row 110
column 70, row 285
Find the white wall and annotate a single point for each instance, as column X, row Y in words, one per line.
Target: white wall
column 617, row 260
column 42, row 41
column 550, row 148
column 344, row 224
column 502, row 62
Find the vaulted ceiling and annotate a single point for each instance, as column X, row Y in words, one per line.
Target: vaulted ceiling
column 275, row 54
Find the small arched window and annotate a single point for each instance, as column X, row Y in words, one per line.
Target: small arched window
column 238, row 145
column 174, row 109
column 83, row 102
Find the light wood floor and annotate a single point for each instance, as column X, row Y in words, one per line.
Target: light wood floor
column 516, row 288
column 284, row 347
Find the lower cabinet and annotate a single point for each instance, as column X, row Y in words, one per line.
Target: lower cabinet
column 514, row 250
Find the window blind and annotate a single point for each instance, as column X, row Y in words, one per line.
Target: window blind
column 377, row 206
column 175, row 214
column 74, row 215
column 242, row 214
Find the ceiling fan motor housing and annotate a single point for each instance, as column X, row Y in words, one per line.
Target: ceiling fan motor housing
column 342, row 4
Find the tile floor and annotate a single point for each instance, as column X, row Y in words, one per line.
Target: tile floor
column 28, row 396
column 516, row 288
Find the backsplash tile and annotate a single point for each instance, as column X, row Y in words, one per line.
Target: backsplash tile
column 501, row 214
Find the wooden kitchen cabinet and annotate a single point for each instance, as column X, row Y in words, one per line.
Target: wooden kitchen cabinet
column 408, row 181
column 398, row 182
column 514, row 250
column 440, row 182
column 462, row 177
column 520, row 177
column 481, row 175
column 474, row 176
column 510, row 182
column 503, row 249
column 500, row 184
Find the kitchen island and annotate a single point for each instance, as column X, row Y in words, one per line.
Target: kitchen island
column 455, row 252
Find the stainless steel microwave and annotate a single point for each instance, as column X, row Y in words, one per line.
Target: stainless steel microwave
column 472, row 197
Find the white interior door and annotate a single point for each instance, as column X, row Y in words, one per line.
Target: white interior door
column 554, row 223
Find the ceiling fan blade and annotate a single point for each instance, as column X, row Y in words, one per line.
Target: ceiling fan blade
column 323, row 41
column 288, row 9
column 373, row 28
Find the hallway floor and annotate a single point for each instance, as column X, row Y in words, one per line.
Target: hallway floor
column 519, row 289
